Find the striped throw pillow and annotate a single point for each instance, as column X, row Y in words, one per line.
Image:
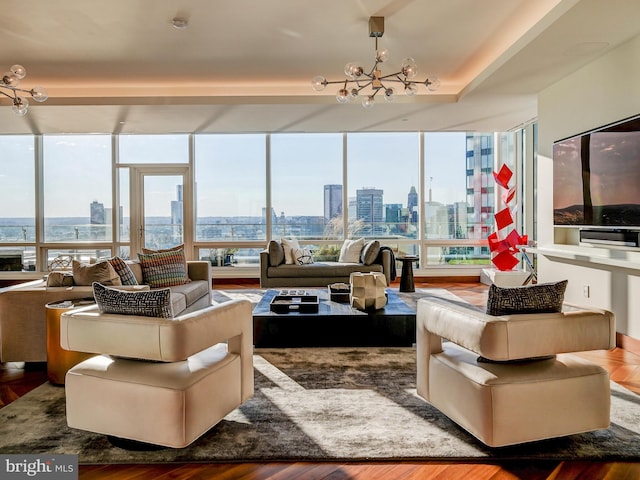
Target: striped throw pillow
column 122, row 269
column 164, row 269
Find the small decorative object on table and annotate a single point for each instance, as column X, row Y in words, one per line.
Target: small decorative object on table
column 288, row 303
column 368, row 290
column 339, row 292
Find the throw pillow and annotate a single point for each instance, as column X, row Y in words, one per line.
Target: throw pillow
column 124, row 272
column 350, row 251
column 101, row 272
column 60, row 279
column 162, row 250
column 147, row 303
column 370, row 252
column 537, row 298
column 276, row 253
column 288, row 244
column 302, row 256
column 164, row 269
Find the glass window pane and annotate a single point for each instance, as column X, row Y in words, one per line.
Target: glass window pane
column 163, row 211
column 124, row 234
column 231, row 182
column 17, row 259
column 17, row 189
column 306, row 185
column 382, row 178
column 153, row 149
column 231, row 257
column 77, row 188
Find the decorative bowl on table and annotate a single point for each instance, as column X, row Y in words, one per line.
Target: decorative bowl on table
column 339, row 292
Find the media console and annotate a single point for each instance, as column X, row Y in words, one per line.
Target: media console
column 619, row 237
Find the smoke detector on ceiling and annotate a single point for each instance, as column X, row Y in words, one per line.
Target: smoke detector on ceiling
column 180, row 23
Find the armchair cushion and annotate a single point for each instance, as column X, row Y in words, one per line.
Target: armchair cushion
column 538, row 298
column 149, row 303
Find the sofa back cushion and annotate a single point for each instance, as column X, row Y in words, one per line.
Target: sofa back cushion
column 370, row 252
column 276, row 253
column 351, row 250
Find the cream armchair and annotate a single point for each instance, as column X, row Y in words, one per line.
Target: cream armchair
column 508, row 379
column 158, row 380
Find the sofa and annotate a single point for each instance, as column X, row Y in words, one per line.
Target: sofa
column 23, row 331
column 281, row 269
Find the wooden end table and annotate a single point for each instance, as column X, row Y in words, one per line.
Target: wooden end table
column 406, row 277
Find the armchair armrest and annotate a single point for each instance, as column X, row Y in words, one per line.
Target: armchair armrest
column 199, row 270
column 518, row 336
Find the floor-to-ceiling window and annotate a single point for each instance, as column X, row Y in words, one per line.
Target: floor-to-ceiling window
column 424, row 193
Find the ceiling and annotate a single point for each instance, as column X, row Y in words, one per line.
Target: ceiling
column 246, row 65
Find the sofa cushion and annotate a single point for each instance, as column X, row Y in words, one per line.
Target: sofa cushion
column 351, row 250
column 537, row 298
column 101, row 272
column 192, row 291
column 289, row 244
column 276, row 253
column 146, row 303
column 124, row 272
column 164, row 269
column 370, row 252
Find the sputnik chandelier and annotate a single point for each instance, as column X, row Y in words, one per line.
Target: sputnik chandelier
column 358, row 79
column 9, row 88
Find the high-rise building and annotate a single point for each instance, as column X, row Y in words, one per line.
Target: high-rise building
column 412, row 205
column 369, row 209
column 480, row 185
column 332, row 201
column 97, row 213
column 176, row 207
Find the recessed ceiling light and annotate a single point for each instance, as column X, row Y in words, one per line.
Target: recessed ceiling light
column 180, row 23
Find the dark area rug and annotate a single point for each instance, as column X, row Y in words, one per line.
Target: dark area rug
column 318, row 404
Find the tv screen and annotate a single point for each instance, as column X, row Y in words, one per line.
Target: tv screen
column 596, row 177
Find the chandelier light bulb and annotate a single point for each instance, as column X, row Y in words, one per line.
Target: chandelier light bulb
column 19, row 71
column 10, row 79
column 382, row 55
column 342, row 96
column 353, row 70
column 410, row 89
column 319, row 83
column 353, row 94
column 432, row 83
column 39, row 94
column 409, row 67
column 20, row 106
column 389, row 94
column 368, row 101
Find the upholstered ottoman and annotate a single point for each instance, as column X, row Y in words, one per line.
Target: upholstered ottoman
column 508, row 379
column 169, row 404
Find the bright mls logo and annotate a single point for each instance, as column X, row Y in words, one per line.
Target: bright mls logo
column 54, row 467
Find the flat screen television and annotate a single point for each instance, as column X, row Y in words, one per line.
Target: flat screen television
column 596, row 177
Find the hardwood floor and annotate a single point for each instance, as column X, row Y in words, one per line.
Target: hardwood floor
column 16, row 379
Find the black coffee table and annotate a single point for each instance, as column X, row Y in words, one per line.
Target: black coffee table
column 335, row 324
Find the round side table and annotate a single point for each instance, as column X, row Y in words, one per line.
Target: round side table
column 59, row 360
column 406, row 277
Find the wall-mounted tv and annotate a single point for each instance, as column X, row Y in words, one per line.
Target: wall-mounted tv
column 596, row 177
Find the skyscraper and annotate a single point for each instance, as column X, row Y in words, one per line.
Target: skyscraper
column 332, row 201
column 412, row 205
column 176, row 207
column 369, row 208
column 97, row 213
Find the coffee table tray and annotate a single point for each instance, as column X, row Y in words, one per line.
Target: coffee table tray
column 294, row 303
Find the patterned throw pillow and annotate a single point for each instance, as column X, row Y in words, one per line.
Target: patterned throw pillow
column 124, row 272
column 101, row 272
column 164, row 269
column 538, row 298
column 302, row 256
column 147, row 303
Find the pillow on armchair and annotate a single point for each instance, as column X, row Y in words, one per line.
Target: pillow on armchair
column 537, row 298
column 147, row 303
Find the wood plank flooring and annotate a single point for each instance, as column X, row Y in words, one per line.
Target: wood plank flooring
column 16, row 379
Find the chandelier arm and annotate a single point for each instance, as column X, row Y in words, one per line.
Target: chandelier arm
column 6, row 94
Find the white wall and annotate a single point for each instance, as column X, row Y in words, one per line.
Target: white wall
column 606, row 90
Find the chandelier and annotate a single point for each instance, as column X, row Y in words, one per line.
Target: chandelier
column 9, row 88
column 358, row 79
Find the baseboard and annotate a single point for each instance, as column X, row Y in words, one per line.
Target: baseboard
column 628, row 343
